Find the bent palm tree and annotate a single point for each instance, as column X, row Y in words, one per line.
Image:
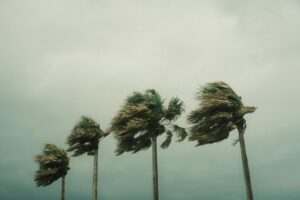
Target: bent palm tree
column 220, row 111
column 53, row 164
column 141, row 120
column 85, row 138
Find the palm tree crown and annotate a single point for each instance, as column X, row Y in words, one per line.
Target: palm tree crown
column 53, row 164
column 85, row 137
column 220, row 111
column 144, row 116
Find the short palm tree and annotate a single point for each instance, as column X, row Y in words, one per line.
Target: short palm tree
column 53, row 164
column 141, row 120
column 220, row 111
column 85, row 138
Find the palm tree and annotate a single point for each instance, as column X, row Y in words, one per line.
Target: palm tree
column 85, row 138
column 220, row 111
column 53, row 164
column 141, row 120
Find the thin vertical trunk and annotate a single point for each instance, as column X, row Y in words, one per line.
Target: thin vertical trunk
column 95, row 175
column 154, row 168
column 245, row 166
column 63, row 188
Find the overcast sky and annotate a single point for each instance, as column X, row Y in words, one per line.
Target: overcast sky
column 62, row 59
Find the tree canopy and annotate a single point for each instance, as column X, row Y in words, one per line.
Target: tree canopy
column 144, row 116
column 219, row 112
column 53, row 164
column 85, row 137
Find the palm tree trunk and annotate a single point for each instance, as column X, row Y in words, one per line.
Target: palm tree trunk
column 63, row 188
column 95, row 175
column 245, row 165
column 154, row 168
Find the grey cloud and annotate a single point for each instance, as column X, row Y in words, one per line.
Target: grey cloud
column 62, row 59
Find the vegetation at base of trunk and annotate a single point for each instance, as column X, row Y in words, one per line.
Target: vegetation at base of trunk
column 53, row 164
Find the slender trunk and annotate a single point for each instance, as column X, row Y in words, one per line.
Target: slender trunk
column 154, row 168
column 245, row 166
column 95, row 175
column 63, row 188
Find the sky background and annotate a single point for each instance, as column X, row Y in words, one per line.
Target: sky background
column 62, row 59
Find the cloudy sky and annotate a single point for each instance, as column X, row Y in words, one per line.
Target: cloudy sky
column 62, row 59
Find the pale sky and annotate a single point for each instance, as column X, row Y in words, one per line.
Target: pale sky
column 62, row 59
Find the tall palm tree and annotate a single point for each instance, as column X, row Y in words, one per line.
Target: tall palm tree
column 53, row 164
column 141, row 120
column 85, row 138
column 220, row 111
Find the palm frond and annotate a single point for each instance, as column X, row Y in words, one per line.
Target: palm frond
column 53, row 164
column 85, row 137
column 174, row 110
column 180, row 132
column 140, row 118
column 167, row 141
column 220, row 109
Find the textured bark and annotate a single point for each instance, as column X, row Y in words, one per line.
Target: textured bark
column 95, row 175
column 63, row 188
column 154, row 168
column 245, row 165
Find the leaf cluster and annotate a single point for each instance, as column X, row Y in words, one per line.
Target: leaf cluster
column 85, row 137
column 218, row 113
column 141, row 118
column 53, row 164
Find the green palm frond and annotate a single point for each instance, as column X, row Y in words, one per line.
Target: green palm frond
column 140, row 118
column 220, row 111
column 53, row 164
column 85, row 137
column 150, row 98
column 180, row 132
column 174, row 110
column 167, row 141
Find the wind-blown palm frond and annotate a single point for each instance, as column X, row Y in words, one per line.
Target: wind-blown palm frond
column 220, row 111
column 85, row 137
column 140, row 118
column 167, row 141
column 180, row 132
column 174, row 110
column 53, row 164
